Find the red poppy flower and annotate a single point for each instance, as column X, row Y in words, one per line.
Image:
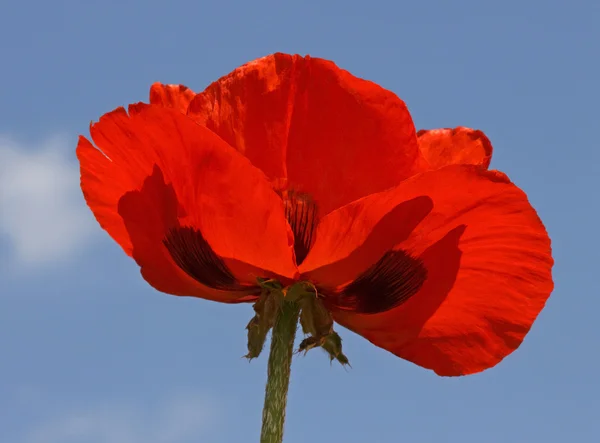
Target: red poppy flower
column 293, row 169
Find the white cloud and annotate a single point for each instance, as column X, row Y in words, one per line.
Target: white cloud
column 180, row 419
column 42, row 213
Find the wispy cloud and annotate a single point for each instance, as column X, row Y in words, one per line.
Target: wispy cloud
column 42, row 214
column 180, row 419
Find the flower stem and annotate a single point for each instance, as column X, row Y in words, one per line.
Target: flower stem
column 278, row 375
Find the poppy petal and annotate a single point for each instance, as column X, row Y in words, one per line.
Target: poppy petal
column 487, row 259
column 457, row 146
column 148, row 214
column 171, row 96
column 220, row 194
column 313, row 127
column 108, row 174
column 353, row 238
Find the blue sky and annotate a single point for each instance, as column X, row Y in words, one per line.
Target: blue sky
column 89, row 353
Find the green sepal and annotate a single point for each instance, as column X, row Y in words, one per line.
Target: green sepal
column 333, row 346
column 266, row 309
column 315, row 319
column 317, row 323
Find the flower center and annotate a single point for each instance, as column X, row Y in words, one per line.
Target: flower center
column 302, row 215
column 385, row 285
